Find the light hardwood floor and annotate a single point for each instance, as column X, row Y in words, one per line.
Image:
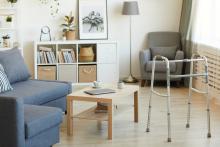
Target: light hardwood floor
column 129, row 134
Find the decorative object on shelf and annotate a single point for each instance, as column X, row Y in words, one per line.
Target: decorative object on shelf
column 130, row 8
column 45, row 34
column 93, row 22
column 8, row 21
column 69, row 27
column 86, row 54
column 12, row 2
column 6, row 41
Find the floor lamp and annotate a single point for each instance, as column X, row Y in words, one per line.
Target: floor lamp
column 130, row 8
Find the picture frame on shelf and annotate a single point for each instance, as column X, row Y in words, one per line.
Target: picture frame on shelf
column 93, row 19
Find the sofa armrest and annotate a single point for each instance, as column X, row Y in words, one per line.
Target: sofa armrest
column 144, row 57
column 12, row 132
column 179, row 67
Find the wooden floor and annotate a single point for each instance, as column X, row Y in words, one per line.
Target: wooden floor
column 129, row 134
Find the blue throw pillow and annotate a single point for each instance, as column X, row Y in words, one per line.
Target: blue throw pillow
column 4, row 82
column 14, row 65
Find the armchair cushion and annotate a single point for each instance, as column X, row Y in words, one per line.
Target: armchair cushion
column 37, row 119
column 168, row 52
column 160, row 67
column 14, row 65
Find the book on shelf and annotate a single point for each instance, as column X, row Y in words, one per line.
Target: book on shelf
column 66, row 56
column 45, row 55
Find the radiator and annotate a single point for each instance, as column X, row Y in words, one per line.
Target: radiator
column 213, row 56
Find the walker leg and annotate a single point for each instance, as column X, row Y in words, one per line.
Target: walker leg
column 189, row 108
column 208, row 102
column 151, row 93
column 149, row 114
column 208, row 117
column 168, row 104
column 189, row 96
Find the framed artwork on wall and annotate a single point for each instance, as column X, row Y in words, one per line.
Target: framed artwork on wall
column 93, row 19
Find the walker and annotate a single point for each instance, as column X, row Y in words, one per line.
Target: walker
column 195, row 58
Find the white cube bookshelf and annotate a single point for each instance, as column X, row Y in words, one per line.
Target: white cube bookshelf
column 106, row 61
column 12, row 30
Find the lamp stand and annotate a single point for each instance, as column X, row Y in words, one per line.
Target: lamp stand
column 130, row 78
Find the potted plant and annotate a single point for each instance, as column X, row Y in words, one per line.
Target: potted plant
column 69, row 27
column 8, row 21
column 6, row 41
column 12, row 2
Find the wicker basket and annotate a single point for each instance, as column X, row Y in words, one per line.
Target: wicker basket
column 87, row 73
column 86, row 58
column 86, row 54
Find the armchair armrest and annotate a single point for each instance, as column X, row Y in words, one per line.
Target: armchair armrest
column 12, row 132
column 144, row 57
column 179, row 65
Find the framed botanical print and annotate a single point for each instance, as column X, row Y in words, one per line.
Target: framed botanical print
column 93, row 19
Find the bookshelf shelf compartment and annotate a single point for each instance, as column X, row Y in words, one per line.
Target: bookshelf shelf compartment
column 67, row 66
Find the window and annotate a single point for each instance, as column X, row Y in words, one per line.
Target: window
column 206, row 25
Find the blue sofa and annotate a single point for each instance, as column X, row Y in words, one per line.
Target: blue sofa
column 31, row 113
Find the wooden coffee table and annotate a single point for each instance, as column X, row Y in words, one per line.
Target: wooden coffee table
column 105, row 98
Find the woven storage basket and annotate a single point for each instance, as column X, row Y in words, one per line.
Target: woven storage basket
column 87, row 73
column 86, row 54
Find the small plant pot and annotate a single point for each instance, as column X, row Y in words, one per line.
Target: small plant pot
column 70, row 35
column 6, row 43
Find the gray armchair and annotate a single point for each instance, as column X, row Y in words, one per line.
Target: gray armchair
column 167, row 44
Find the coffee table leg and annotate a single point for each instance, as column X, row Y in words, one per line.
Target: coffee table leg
column 69, row 117
column 110, row 121
column 136, row 106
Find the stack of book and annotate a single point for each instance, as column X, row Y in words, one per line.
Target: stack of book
column 45, row 55
column 66, row 56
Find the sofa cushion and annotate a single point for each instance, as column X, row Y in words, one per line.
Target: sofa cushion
column 168, row 52
column 38, row 92
column 14, row 65
column 160, row 66
column 4, row 82
column 40, row 118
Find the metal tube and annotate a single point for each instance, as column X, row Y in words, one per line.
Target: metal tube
column 190, row 94
column 186, row 60
column 207, row 100
column 168, row 100
column 151, row 93
column 188, row 75
column 130, row 46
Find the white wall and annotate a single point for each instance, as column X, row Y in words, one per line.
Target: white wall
column 156, row 15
